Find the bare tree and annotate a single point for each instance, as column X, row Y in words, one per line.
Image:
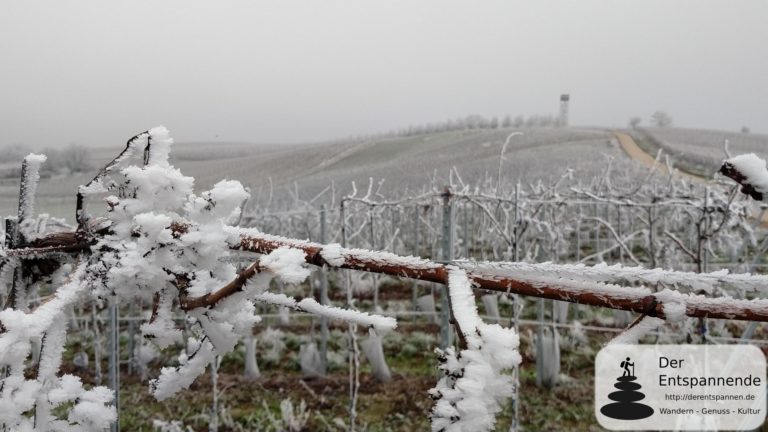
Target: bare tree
column 661, row 119
column 14, row 152
column 53, row 165
column 75, row 158
column 476, row 121
column 634, row 122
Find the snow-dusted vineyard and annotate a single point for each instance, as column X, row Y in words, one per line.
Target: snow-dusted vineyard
column 703, row 150
column 195, row 270
column 275, row 173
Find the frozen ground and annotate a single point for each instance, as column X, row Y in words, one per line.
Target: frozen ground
column 701, row 151
column 405, row 163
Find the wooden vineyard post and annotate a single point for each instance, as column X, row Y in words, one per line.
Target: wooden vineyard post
column 96, row 344
column 540, row 342
column 578, row 307
column 446, row 330
column 540, row 314
column 619, row 233
column 131, row 338
column 213, row 426
column 707, row 230
column 516, row 307
column 465, row 229
column 416, row 251
column 516, row 225
column 14, row 235
column 11, row 228
column 597, row 229
column 374, row 277
column 354, row 353
column 114, row 358
column 652, row 229
column 323, row 296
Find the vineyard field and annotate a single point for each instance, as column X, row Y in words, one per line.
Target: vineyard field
column 402, row 162
column 701, row 151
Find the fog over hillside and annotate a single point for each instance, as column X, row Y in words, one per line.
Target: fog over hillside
column 294, row 71
column 412, row 163
column 346, row 215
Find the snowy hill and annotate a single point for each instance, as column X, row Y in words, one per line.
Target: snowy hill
column 700, row 151
column 402, row 162
column 413, row 162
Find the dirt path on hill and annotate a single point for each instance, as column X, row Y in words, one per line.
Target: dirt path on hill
column 634, row 151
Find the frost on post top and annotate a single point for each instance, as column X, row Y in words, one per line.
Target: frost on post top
column 31, row 173
column 749, row 171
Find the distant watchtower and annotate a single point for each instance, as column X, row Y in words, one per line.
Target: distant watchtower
column 564, row 100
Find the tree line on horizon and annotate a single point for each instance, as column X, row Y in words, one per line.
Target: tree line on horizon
column 469, row 122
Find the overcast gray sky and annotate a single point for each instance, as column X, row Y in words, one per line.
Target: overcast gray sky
column 98, row 71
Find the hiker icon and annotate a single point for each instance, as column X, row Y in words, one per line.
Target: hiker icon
column 626, row 364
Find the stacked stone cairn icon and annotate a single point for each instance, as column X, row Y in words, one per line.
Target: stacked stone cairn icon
column 625, row 405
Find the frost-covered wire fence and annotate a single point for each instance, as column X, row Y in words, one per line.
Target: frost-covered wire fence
column 670, row 224
column 660, row 221
column 529, row 280
column 161, row 245
column 679, row 226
